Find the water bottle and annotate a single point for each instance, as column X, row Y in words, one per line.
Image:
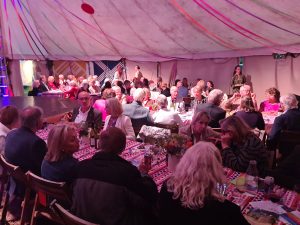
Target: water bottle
column 252, row 176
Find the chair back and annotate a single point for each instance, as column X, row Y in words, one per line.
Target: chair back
column 67, row 217
column 56, row 190
column 138, row 123
column 291, row 137
column 12, row 170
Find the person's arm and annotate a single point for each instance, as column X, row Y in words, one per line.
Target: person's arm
column 275, row 132
column 39, row 152
column 260, row 122
column 129, row 129
column 2, row 144
column 239, row 159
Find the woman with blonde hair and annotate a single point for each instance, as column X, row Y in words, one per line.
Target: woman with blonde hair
column 58, row 164
column 116, row 118
column 199, row 130
column 240, row 145
column 191, row 196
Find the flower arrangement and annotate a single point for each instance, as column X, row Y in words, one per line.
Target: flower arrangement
column 177, row 144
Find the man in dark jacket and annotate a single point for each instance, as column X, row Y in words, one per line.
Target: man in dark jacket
column 86, row 113
column 289, row 120
column 215, row 112
column 109, row 190
column 25, row 149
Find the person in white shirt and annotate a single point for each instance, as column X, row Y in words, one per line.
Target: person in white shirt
column 173, row 101
column 116, row 118
column 85, row 113
column 164, row 115
column 9, row 119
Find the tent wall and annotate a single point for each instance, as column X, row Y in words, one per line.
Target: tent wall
column 262, row 72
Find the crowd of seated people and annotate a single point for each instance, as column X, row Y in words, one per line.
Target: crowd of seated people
column 123, row 109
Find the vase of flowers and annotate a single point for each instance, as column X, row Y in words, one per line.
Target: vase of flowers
column 176, row 145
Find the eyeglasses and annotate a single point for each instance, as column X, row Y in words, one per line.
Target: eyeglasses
column 84, row 98
column 225, row 131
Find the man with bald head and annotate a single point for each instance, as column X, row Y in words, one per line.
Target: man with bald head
column 25, row 149
column 233, row 103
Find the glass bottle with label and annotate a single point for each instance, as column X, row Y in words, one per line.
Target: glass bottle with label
column 252, row 176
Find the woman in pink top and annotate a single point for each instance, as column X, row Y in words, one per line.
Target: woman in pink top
column 272, row 103
column 100, row 103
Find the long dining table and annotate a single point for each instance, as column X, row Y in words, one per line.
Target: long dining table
column 135, row 151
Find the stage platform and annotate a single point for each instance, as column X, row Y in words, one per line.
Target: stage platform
column 51, row 105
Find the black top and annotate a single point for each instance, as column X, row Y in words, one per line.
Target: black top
column 253, row 119
column 61, row 171
column 171, row 212
column 287, row 173
column 166, row 92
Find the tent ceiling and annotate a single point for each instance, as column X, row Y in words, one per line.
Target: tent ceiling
column 144, row 30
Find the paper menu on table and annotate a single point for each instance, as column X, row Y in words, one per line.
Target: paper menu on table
column 268, row 206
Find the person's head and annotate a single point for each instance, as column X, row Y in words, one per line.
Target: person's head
column 215, row 97
column 108, row 93
column 185, row 82
column 162, row 101
column 9, row 117
column 147, row 93
column 112, row 140
column 288, row 101
column 210, row 84
column 118, row 92
column 200, row 122
column 80, row 79
column 201, row 84
column 237, row 70
column 62, row 141
column 107, row 84
column 43, row 78
column 174, row 92
column 179, row 84
column 247, row 104
column 31, row 117
column 273, row 94
column 84, row 99
column 35, row 83
column 61, row 77
column 119, row 68
column 197, row 93
column 139, row 95
column 73, row 83
column 245, row 90
column 197, row 175
column 127, row 84
column 235, row 128
column 137, row 67
column 164, row 86
column 145, row 82
column 51, row 79
column 113, row 107
column 159, row 79
column 70, row 77
column 176, row 82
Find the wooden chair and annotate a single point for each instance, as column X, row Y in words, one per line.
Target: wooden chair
column 174, row 128
column 45, row 192
column 10, row 170
column 67, row 217
column 217, row 129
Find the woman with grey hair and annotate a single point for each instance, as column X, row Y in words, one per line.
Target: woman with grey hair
column 199, row 130
column 163, row 115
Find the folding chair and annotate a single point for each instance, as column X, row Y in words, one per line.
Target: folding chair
column 12, row 171
column 67, row 217
column 46, row 191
